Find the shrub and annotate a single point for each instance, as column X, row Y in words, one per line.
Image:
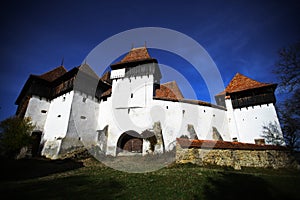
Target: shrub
column 15, row 134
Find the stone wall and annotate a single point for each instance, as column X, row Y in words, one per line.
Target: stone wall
column 230, row 154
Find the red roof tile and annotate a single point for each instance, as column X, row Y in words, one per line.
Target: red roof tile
column 240, row 83
column 53, row 74
column 136, row 54
column 169, row 90
column 190, row 101
column 217, row 144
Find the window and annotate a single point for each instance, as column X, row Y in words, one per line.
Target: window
column 167, row 107
column 58, row 115
column 84, row 99
column 64, row 98
column 44, row 111
column 131, row 95
column 82, row 117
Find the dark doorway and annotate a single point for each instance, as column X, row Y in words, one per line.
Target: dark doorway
column 130, row 141
column 36, row 142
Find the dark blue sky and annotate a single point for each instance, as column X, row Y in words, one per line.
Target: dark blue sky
column 240, row 36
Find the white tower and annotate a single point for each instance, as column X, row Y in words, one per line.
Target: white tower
column 250, row 106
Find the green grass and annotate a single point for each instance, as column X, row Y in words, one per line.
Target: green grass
column 44, row 179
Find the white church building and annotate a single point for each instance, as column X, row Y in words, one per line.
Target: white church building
column 128, row 111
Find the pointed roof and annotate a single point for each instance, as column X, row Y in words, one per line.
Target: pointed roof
column 53, row 74
column 241, row 82
column 169, row 90
column 135, row 55
column 85, row 68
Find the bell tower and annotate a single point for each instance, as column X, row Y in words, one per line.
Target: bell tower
column 133, row 79
column 250, row 106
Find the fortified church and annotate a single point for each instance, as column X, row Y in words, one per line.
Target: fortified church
column 128, row 111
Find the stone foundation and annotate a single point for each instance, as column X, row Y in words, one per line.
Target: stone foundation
column 233, row 154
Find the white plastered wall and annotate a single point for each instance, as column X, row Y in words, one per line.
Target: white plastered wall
column 250, row 121
column 122, row 113
column 37, row 110
column 85, row 113
column 56, row 124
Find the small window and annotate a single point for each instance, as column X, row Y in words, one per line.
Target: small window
column 183, row 111
column 44, row 111
column 82, row 117
column 214, row 115
column 58, row 115
column 167, row 107
column 84, row 99
column 131, row 95
column 203, row 110
column 64, row 98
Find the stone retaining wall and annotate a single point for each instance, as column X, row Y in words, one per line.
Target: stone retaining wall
column 230, row 154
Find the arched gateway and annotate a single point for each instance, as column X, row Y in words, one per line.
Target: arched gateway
column 130, row 142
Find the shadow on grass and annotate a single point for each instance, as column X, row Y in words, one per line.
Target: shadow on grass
column 74, row 187
column 239, row 186
column 12, row 170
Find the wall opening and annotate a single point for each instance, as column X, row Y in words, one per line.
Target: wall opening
column 130, row 142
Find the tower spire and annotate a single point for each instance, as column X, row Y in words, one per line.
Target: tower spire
column 62, row 61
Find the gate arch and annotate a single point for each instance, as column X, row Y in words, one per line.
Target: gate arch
column 130, row 141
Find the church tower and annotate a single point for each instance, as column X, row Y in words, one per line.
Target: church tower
column 250, row 106
column 134, row 79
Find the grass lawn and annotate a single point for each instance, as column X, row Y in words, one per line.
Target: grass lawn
column 89, row 179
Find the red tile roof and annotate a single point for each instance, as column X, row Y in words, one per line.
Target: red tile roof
column 216, row 144
column 53, row 74
column 240, row 83
column 190, row 101
column 136, row 54
column 169, row 90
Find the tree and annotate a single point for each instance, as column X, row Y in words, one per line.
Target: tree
column 272, row 134
column 287, row 68
column 15, row 134
column 289, row 115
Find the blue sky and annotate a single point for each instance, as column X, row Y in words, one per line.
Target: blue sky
column 240, row 36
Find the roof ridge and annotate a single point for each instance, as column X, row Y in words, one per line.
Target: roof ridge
column 53, row 74
column 242, row 82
